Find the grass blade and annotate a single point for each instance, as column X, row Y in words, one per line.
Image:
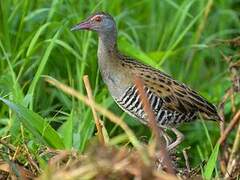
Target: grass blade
column 35, row 38
column 36, row 125
column 66, row 131
column 209, row 168
column 42, row 65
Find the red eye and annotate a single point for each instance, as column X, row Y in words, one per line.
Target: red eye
column 98, row 19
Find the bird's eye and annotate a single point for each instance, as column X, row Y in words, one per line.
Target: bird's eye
column 98, row 19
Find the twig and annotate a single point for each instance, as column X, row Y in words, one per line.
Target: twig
column 227, row 94
column 57, row 158
column 228, row 161
column 186, row 159
column 34, row 167
column 97, row 121
column 235, row 149
column 103, row 111
column 232, row 102
column 153, row 125
column 32, row 163
column 231, row 125
column 231, row 42
column 221, row 108
column 9, row 146
column 148, row 110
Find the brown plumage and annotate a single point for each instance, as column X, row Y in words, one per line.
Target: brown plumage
column 177, row 96
column 172, row 102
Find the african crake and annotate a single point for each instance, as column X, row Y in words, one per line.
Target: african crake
column 171, row 101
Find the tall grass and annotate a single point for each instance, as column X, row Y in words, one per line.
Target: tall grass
column 173, row 35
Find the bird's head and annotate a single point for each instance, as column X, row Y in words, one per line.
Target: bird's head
column 100, row 22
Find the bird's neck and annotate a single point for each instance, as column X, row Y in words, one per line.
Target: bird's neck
column 107, row 43
column 110, row 64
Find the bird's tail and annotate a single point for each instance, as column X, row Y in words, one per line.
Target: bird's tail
column 213, row 117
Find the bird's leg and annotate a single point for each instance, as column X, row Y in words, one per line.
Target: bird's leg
column 179, row 139
column 167, row 138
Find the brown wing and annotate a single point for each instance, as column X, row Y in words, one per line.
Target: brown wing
column 177, row 96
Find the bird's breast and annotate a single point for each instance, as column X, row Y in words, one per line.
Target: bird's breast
column 113, row 76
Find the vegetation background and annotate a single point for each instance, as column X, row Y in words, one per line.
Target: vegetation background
column 180, row 37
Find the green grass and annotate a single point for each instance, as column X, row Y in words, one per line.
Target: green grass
column 172, row 35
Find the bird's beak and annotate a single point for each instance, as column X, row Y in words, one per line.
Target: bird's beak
column 82, row 25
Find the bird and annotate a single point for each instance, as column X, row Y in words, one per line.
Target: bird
column 172, row 102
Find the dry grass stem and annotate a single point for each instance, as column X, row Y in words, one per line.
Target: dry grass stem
column 234, row 153
column 99, row 124
column 154, row 127
column 101, row 110
column 231, row 125
column 186, row 159
column 9, row 146
column 105, row 163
